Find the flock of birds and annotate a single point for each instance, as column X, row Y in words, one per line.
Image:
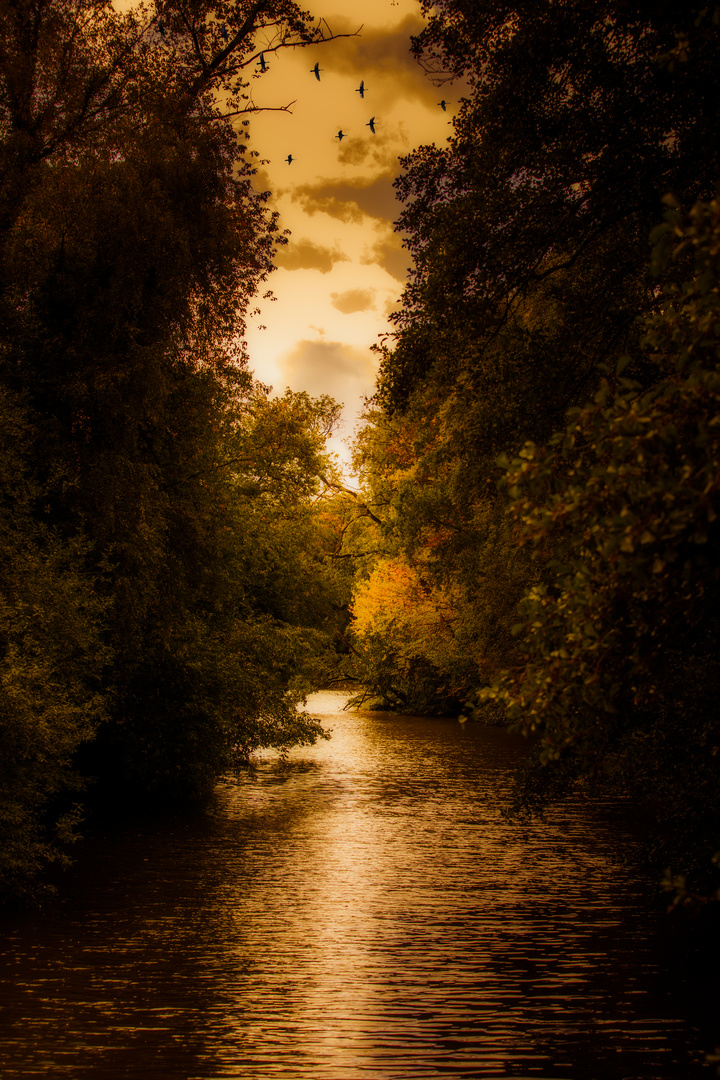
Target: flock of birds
column 361, row 90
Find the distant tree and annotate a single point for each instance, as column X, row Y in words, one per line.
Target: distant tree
column 435, row 584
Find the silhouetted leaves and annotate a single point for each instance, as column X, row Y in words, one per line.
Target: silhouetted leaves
column 543, row 452
column 162, row 593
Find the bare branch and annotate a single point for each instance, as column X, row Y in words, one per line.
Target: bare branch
column 256, row 109
column 285, row 44
column 215, row 67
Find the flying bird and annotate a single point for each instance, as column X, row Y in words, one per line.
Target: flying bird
column 261, row 63
column 316, row 70
column 371, row 124
column 443, row 105
column 289, row 159
column 340, row 135
column 361, row 88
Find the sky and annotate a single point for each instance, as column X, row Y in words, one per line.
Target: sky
column 343, row 270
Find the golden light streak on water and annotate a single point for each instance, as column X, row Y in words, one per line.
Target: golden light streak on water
column 365, row 913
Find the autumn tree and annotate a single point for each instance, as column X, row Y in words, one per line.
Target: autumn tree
column 435, row 588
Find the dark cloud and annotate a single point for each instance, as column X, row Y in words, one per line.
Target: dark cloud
column 354, row 300
column 380, row 151
column 355, row 152
column 305, row 255
column 349, row 200
column 321, row 200
column 381, row 54
column 392, row 256
column 329, row 367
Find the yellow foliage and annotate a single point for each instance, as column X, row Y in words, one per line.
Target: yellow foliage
column 396, row 602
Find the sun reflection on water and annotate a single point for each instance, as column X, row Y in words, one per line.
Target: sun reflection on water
column 364, row 912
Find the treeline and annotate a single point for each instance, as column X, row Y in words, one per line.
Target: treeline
column 162, row 592
column 537, row 535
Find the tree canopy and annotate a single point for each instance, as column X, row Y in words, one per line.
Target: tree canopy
column 540, row 458
column 162, row 589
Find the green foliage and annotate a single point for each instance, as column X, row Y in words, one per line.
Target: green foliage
column 538, row 344
column 240, row 613
column 620, row 672
column 169, row 507
column 51, row 663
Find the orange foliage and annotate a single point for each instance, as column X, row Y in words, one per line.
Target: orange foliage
column 395, row 597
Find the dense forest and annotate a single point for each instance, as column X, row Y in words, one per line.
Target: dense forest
column 163, row 602
column 537, row 538
column 534, row 538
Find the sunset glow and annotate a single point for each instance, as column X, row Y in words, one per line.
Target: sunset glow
column 344, row 267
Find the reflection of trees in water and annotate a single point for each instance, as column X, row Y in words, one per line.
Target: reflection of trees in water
column 367, row 907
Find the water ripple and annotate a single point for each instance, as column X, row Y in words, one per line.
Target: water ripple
column 365, row 912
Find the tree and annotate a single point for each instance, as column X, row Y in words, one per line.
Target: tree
column 164, row 491
column 529, row 239
column 528, row 233
column 620, row 670
column 435, row 582
column 531, row 279
column 51, row 663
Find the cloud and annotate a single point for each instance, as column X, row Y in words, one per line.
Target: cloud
column 354, row 300
column 350, row 200
column 379, row 151
column 355, row 152
column 383, row 56
column 391, row 307
column 329, row 367
column 321, row 200
column 390, row 255
column 305, row 255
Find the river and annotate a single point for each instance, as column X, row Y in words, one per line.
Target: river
column 366, row 912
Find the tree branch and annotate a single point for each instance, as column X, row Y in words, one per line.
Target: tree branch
column 349, row 491
column 256, row 109
column 214, row 68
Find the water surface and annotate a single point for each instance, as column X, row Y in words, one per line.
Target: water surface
column 365, row 913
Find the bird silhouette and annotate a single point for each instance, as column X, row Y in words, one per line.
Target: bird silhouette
column 161, row 29
column 340, row 135
column 443, row 105
column 316, row 71
column 371, row 124
column 361, row 88
column 224, row 32
column 261, row 63
column 289, row 159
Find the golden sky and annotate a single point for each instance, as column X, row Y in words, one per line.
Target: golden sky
column 344, row 268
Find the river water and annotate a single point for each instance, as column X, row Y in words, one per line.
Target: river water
column 365, row 912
